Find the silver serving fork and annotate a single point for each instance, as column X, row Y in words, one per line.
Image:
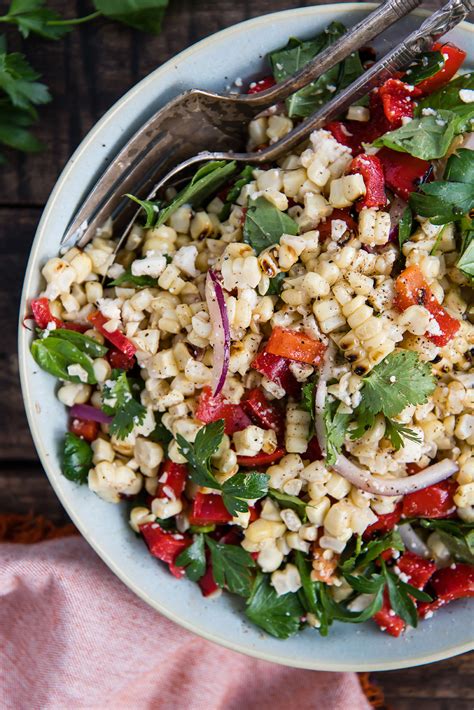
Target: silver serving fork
column 171, row 135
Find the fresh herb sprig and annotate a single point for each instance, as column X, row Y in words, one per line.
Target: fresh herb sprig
column 76, row 458
column 264, row 224
column 119, row 402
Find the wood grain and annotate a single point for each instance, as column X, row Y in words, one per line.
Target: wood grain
column 87, row 72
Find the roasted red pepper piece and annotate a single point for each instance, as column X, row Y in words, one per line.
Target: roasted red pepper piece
column 261, row 459
column 211, row 408
column 355, row 133
column 387, row 619
column 433, row 502
column 449, row 583
column 403, row 173
column 117, row 338
column 412, row 289
column 263, row 412
column 313, row 452
column 370, row 167
column 453, row 59
column 262, row 85
column 277, row 369
column 207, row 583
column 172, row 480
column 417, row 569
column 42, row 315
column 165, row 546
column 397, row 100
column 385, row 522
column 325, row 228
column 296, row 346
column 84, row 428
column 208, row 509
column 119, row 360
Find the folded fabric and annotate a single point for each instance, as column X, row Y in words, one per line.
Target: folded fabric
column 73, row 636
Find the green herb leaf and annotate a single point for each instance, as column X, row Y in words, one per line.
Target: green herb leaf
column 77, row 458
column 336, row 424
column 244, row 178
column 118, row 401
column 128, row 278
column 151, row 209
column 466, row 261
column 456, row 535
column 265, row 224
column 288, row 60
column 231, row 567
column 397, row 432
column 363, row 553
column 307, row 397
column 365, row 585
column 193, row 558
column 55, row 356
column 428, row 137
column 405, row 227
column 428, row 64
column 276, row 284
column 310, row 593
column 144, row 15
column 198, row 455
column 278, row 616
column 338, row 612
column 284, row 500
column 448, row 96
column 460, row 167
column 31, row 16
column 18, row 81
column 400, row 601
column 242, row 487
column 160, row 433
column 87, row 345
column 443, row 202
column 14, row 124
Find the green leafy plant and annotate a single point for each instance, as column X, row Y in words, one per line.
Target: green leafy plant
column 279, row 616
column 119, row 402
column 244, row 178
column 129, row 279
column 428, row 64
column 57, row 354
column 456, row 535
column 76, row 458
column 265, row 224
column 428, row 137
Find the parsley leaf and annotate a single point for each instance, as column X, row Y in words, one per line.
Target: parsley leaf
column 265, row 224
column 443, row 201
column 466, row 261
column 286, row 501
column 14, row 125
column 428, row 137
column 193, row 558
column 18, row 80
column 405, row 227
column 307, row 397
column 31, row 16
column 198, row 455
column 338, row 612
column 160, row 433
column 128, row 278
column 360, row 554
column 336, row 424
column 400, row 601
column 242, row 487
column 279, row 616
column 144, row 15
column 231, row 567
column 310, row 593
column 118, row 401
column 77, row 458
column 244, row 178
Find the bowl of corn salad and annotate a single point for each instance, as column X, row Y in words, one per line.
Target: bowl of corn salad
column 259, row 410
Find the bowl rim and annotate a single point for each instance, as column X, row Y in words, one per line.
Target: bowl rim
column 23, row 349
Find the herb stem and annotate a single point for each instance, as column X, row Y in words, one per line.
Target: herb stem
column 74, row 20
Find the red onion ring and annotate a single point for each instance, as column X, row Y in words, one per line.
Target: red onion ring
column 220, row 336
column 89, row 413
column 412, row 540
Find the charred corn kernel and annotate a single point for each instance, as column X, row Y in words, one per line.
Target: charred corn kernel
column 316, row 510
column 261, row 530
column 297, row 429
column 286, row 580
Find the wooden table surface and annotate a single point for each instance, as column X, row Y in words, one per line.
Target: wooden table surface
column 87, row 72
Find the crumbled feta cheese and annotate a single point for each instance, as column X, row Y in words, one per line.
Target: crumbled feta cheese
column 110, row 307
column 428, row 112
column 115, row 270
column 467, row 96
column 185, row 260
column 78, row 371
column 152, row 265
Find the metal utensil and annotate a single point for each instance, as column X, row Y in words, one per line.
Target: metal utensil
column 196, row 120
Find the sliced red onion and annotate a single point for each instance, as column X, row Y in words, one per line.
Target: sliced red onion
column 397, row 208
column 468, row 141
column 412, row 540
column 361, row 478
column 86, row 411
column 220, row 336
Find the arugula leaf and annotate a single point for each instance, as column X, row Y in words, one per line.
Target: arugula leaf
column 428, row 137
column 193, row 558
column 288, row 60
column 151, row 209
column 31, row 16
column 244, row 178
column 55, row 355
column 76, row 458
column 443, row 202
column 279, row 616
column 428, row 64
column 310, row 593
column 205, row 182
column 231, row 567
column 144, row 15
column 242, row 487
column 365, row 552
column 265, row 224
column 336, row 424
column 448, row 96
column 365, row 585
column 405, row 227
column 118, row 401
column 456, row 535
column 397, row 432
column 287, row 501
column 276, row 284
column 198, row 455
column 128, row 278
column 87, row 345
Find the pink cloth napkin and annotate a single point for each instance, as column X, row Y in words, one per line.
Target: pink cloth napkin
column 73, row 636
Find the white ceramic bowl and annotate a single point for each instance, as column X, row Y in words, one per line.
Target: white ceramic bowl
column 237, row 51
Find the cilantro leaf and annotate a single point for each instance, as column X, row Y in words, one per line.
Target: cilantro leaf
column 144, row 15
column 244, row 178
column 426, row 65
column 128, row 278
column 198, row 455
column 193, row 558
column 428, row 137
column 231, row 567
column 31, row 16
column 118, row 401
column 336, row 424
column 405, row 227
column 265, row 224
column 14, row 125
column 279, row 616
column 397, row 432
column 242, row 487
column 286, row 501
column 76, row 458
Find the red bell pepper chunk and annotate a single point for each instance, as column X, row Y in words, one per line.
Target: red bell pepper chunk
column 449, row 583
column 387, row 619
column 263, row 412
column 277, row 369
column 211, row 408
column 432, row 502
column 116, row 337
column 403, row 173
column 453, row 59
column 417, row 569
column 262, row 85
column 397, row 100
column 370, row 167
column 296, row 346
column 355, row 133
column 209, row 509
column 261, row 459
column 325, row 228
column 119, row 360
column 412, row 289
column 207, row 583
column 385, row 522
column 42, row 315
column 172, row 481
column 165, row 546
column 84, row 428
column 313, row 452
